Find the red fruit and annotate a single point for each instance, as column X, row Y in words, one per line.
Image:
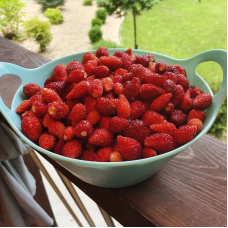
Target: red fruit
column 79, row 91
column 90, row 78
column 127, row 77
column 105, row 107
column 90, row 66
column 72, row 149
column 47, row 141
column 77, row 63
column 83, row 130
column 76, row 66
column 129, row 148
column 72, row 102
column 59, row 147
column 102, row 51
column 169, row 86
column 185, row 134
column 160, row 102
column 152, row 117
column 109, row 95
column 49, row 95
column 104, row 122
column 156, row 79
column 172, row 68
column 76, row 76
column 88, row 56
column 118, row 54
column 118, row 88
column 60, row 72
column 181, row 70
column 46, row 120
column 90, row 103
column 58, row 110
column 198, row 114
column 129, row 51
column 161, row 142
column 137, row 109
column 137, row 130
column 195, row 92
column 183, row 81
column 96, row 88
column 132, row 89
column 115, row 156
column 30, row 89
column 168, row 109
column 104, row 154
column 149, row 91
column 138, row 71
column 123, row 107
column 40, row 108
column 49, row 80
column 113, row 62
column 35, row 98
column 148, row 152
column 120, row 72
column 196, row 122
column 171, row 76
column 56, row 86
column 93, row 117
column 56, row 128
column 89, row 155
column 77, row 114
column 68, row 133
column 118, row 124
column 101, row 71
column 31, row 127
column 178, row 96
column 142, row 60
column 178, row 118
column 23, row 106
column 107, row 84
column 126, row 60
column 186, row 104
column 101, row 138
column 202, row 101
column 160, row 67
column 117, row 79
column 165, row 127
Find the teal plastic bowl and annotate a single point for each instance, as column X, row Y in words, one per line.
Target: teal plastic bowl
column 119, row 174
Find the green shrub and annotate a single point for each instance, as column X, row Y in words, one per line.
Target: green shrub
column 105, row 43
column 101, row 14
column 40, row 30
column 220, row 124
column 87, row 3
column 54, row 15
column 95, row 34
column 50, row 3
column 96, row 21
column 10, row 17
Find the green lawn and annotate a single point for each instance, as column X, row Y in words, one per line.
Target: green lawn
column 181, row 29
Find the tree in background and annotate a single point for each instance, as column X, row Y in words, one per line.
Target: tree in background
column 50, row 3
column 123, row 7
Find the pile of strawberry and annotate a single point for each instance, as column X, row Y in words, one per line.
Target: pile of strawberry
column 113, row 108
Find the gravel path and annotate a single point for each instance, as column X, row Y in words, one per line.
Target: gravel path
column 72, row 35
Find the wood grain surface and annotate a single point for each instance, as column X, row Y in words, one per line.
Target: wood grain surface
column 190, row 190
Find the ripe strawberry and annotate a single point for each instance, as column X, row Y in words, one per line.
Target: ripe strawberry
column 76, row 66
column 58, row 110
column 83, row 130
column 56, row 86
column 132, row 89
column 113, row 62
column 137, row 109
column 40, row 108
column 168, row 109
column 30, row 89
column 137, row 130
column 185, row 134
column 118, row 124
column 202, row 101
column 160, row 67
column 56, row 128
column 90, row 66
column 90, row 78
column 178, row 96
column 31, row 127
column 120, row 72
column 49, row 95
column 72, row 102
column 102, row 51
column 160, row 102
column 36, row 97
column 195, row 92
column 126, row 61
column 148, row 152
column 49, row 80
column 117, row 79
column 47, row 141
column 165, row 127
column 142, row 60
column 152, row 117
column 72, row 149
column 104, row 154
column 151, row 68
column 101, row 71
column 101, row 138
column 123, row 107
column 91, row 147
column 198, row 114
column 89, row 155
column 118, row 54
column 196, row 122
column 109, row 95
column 138, row 71
column 172, row 76
column 79, row 91
column 104, row 122
column 156, row 79
column 23, row 106
column 107, row 84
column 88, row 56
column 181, row 70
column 186, row 104
column 115, row 156
column 68, row 133
column 105, row 107
column 46, row 120
column 149, row 91
column 118, row 88
column 93, row 117
column 59, row 147
column 172, row 68
column 60, row 72
column 77, row 114
column 96, row 88
column 129, row 148
column 90, row 103
column 161, row 142
column 169, row 86
column 178, row 118
column 76, row 76
column 183, row 81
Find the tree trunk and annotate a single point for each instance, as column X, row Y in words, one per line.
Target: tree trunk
column 134, row 18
